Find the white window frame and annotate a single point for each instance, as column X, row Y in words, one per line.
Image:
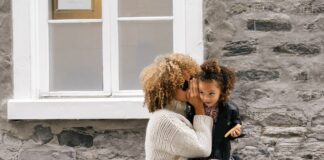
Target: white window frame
column 31, row 68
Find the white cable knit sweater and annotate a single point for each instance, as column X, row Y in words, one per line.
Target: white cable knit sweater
column 170, row 136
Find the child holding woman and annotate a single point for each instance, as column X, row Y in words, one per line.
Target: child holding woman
column 215, row 86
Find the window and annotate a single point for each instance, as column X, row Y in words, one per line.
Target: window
column 88, row 68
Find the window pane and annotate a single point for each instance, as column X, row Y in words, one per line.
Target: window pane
column 138, row 8
column 139, row 44
column 76, row 57
column 74, row 4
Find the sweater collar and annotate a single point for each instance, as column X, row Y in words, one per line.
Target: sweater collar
column 177, row 107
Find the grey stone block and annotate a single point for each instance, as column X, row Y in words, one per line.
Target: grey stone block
column 42, row 134
column 8, row 152
column 319, row 8
column 239, row 48
column 75, row 138
column 284, row 131
column 310, row 95
column 268, row 25
column 256, row 75
column 238, row 8
column 47, row 153
column 250, row 7
column 5, row 6
column 298, row 49
column 301, row 76
column 127, row 144
column 255, row 153
column 318, row 119
column 317, row 132
column 276, row 119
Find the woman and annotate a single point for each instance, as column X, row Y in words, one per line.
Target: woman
column 168, row 87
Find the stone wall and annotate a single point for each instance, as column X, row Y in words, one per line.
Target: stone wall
column 276, row 49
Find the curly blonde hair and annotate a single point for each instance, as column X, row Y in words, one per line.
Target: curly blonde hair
column 161, row 78
column 225, row 77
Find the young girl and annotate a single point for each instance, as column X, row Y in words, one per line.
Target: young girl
column 215, row 85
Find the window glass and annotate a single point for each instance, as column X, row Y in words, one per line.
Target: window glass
column 139, row 43
column 76, row 57
column 139, row 8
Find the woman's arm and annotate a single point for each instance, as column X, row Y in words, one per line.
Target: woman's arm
column 194, row 98
column 192, row 142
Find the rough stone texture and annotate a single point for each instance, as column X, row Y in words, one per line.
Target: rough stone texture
column 268, row 25
column 316, row 25
column 122, row 144
column 284, row 131
column 239, row 48
column 297, row 49
column 5, row 55
column 47, row 153
column 4, row 7
column 318, row 133
column 74, row 138
column 253, row 75
column 276, row 48
column 42, row 134
column 310, row 95
column 301, row 76
column 286, row 6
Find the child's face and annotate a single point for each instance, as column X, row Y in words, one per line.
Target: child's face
column 209, row 93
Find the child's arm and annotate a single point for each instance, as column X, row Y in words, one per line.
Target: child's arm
column 235, row 113
column 235, row 121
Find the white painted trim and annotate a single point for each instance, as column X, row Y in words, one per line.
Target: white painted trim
column 21, row 48
column 106, row 47
column 75, row 94
column 145, row 18
column 114, row 45
column 34, row 43
column 109, row 108
column 194, row 30
column 129, row 93
column 43, row 47
column 76, row 20
column 179, row 25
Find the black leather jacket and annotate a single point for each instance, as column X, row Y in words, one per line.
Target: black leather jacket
column 228, row 117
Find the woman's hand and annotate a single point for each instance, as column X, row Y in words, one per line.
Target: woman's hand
column 194, row 98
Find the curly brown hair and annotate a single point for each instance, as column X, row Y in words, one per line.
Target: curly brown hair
column 225, row 77
column 161, row 78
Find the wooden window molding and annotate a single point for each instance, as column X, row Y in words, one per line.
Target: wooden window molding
column 94, row 13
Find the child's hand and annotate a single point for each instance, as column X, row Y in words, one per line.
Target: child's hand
column 234, row 132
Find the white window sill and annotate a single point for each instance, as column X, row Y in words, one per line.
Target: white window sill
column 85, row 108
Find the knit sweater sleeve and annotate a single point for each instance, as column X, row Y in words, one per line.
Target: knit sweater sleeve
column 192, row 141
